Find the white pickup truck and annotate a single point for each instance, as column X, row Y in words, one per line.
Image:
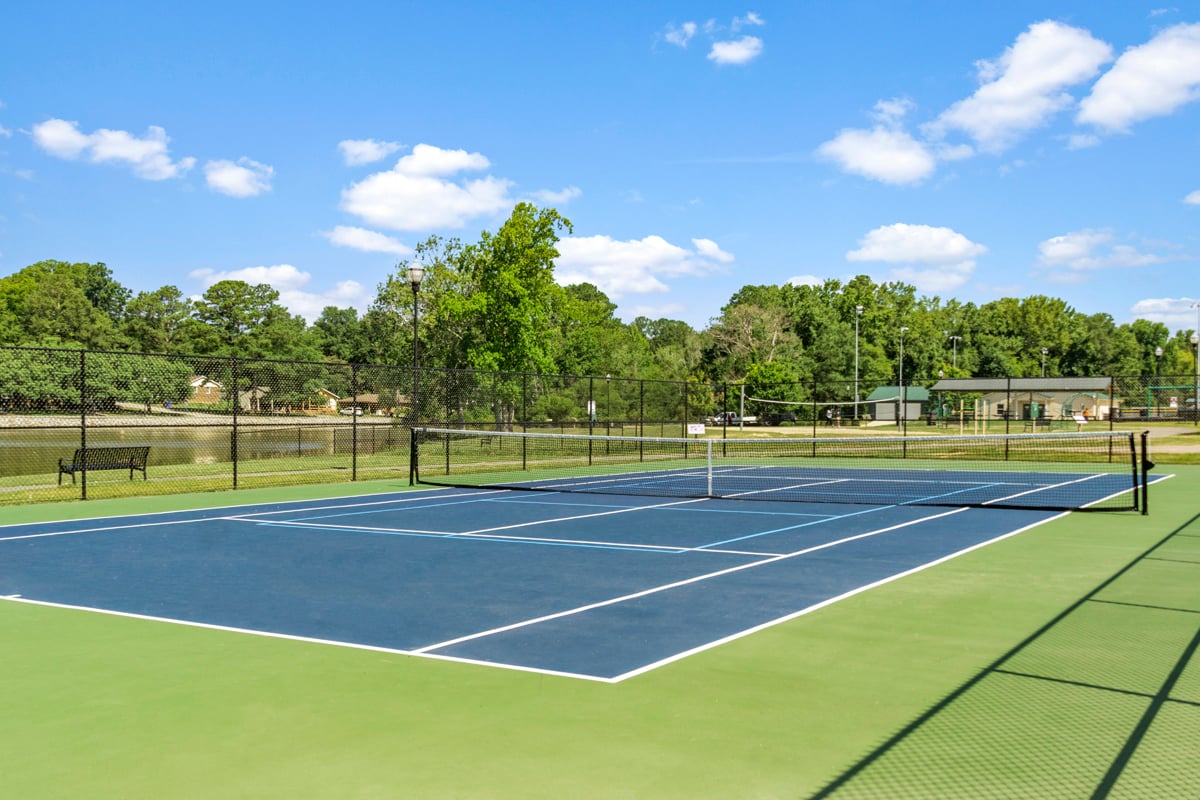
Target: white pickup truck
column 731, row 418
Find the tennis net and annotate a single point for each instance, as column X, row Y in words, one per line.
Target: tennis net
column 1064, row 471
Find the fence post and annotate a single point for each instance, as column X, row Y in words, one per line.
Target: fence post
column 83, row 421
column 354, row 422
column 233, row 434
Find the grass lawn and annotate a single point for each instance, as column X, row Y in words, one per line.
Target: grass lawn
column 1045, row 665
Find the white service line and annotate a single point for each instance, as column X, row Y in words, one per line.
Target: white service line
column 677, row 584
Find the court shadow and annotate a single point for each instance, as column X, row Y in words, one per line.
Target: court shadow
column 1104, row 700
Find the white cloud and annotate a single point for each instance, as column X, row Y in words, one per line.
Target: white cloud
column 366, row 240
column 5, row 132
column 738, row 51
column 637, row 266
column 806, row 280
column 291, row 284
column 1177, row 313
column 147, row 155
column 1082, row 251
column 751, row 19
column 681, row 35
column 548, row 197
column 1082, row 141
column 417, row 193
column 1193, row 198
column 710, row 249
column 933, row 259
column 366, row 151
column 882, row 154
column 245, row 178
column 1022, row 89
column 1150, row 80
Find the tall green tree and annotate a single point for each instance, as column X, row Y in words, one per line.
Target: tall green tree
column 158, row 321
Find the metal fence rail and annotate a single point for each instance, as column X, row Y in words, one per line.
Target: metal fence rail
column 222, row 422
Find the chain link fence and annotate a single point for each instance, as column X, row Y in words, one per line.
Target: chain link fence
column 73, row 422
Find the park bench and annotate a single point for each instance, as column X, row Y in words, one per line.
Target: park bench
column 93, row 458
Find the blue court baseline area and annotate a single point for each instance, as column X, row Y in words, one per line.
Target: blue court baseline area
column 598, row 587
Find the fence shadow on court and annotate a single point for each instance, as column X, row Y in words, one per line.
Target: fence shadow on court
column 1103, row 701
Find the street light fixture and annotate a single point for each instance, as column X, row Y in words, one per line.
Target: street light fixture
column 857, row 316
column 1044, row 352
column 415, row 274
column 954, row 340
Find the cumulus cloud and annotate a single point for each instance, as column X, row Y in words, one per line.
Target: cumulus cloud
column 931, row 258
column 680, row 35
column 1193, row 198
column 366, row 151
column 292, row 283
column 549, row 197
column 367, row 241
column 884, row 154
column 806, row 280
column 419, row 193
column 737, row 51
column 1150, row 80
column 147, row 155
column 1072, row 255
column 1177, row 313
column 637, row 266
column 1026, row 85
column 243, row 178
column 723, row 47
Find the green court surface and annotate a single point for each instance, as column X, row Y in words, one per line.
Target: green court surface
column 1057, row 663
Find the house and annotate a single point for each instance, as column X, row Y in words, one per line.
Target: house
column 884, row 403
column 204, row 390
column 252, row 399
column 326, row 401
column 1028, row 398
column 367, row 403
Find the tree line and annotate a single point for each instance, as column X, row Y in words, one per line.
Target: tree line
column 493, row 304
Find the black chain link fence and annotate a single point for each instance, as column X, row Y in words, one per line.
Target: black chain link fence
column 215, row 423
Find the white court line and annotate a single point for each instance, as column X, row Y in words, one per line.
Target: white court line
column 826, row 602
column 308, row 639
column 188, row 521
column 611, row 545
column 677, row 584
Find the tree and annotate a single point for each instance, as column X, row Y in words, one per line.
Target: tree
column 340, row 335
column 157, row 322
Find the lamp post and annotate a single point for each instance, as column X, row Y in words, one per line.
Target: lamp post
column 954, row 340
column 1158, row 353
column 608, row 415
column 903, row 411
column 1044, row 352
column 857, row 316
column 1196, row 391
column 415, row 274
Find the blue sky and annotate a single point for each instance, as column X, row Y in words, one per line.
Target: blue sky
column 974, row 150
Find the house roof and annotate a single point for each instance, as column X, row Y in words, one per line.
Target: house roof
column 912, row 394
column 1023, row 385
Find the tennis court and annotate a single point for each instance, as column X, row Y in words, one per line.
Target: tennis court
column 581, row 578
column 508, row 643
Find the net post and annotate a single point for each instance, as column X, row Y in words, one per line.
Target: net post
column 709, row 457
column 1147, row 465
column 412, row 456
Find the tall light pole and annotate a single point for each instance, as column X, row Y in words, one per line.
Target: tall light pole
column 1044, row 352
column 857, row 316
column 903, row 410
column 1196, row 344
column 1158, row 353
column 954, row 340
column 415, row 274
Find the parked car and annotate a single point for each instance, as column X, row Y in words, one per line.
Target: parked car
column 732, row 418
column 779, row 418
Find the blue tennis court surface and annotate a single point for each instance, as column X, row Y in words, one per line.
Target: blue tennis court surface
column 592, row 586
